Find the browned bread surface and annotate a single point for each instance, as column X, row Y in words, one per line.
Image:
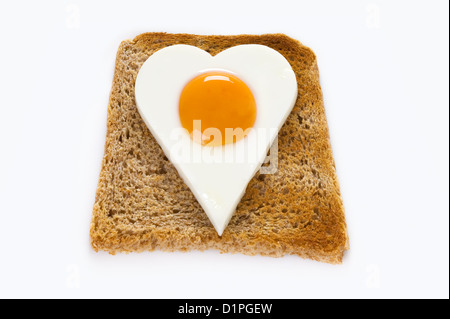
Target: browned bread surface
column 142, row 204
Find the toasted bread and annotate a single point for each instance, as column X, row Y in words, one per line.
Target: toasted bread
column 142, row 204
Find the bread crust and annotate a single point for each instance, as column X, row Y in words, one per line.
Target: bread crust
column 142, row 204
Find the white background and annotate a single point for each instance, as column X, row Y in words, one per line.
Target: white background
column 384, row 73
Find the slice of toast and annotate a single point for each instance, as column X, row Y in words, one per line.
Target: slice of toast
column 142, row 204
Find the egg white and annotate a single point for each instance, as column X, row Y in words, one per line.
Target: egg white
column 217, row 176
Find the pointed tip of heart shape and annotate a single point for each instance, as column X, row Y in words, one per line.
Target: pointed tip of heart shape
column 218, row 216
column 219, row 225
column 220, row 230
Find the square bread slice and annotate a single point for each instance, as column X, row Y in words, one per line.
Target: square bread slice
column 142, row 204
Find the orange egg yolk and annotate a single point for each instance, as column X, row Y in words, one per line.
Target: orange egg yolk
column 217, row 108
